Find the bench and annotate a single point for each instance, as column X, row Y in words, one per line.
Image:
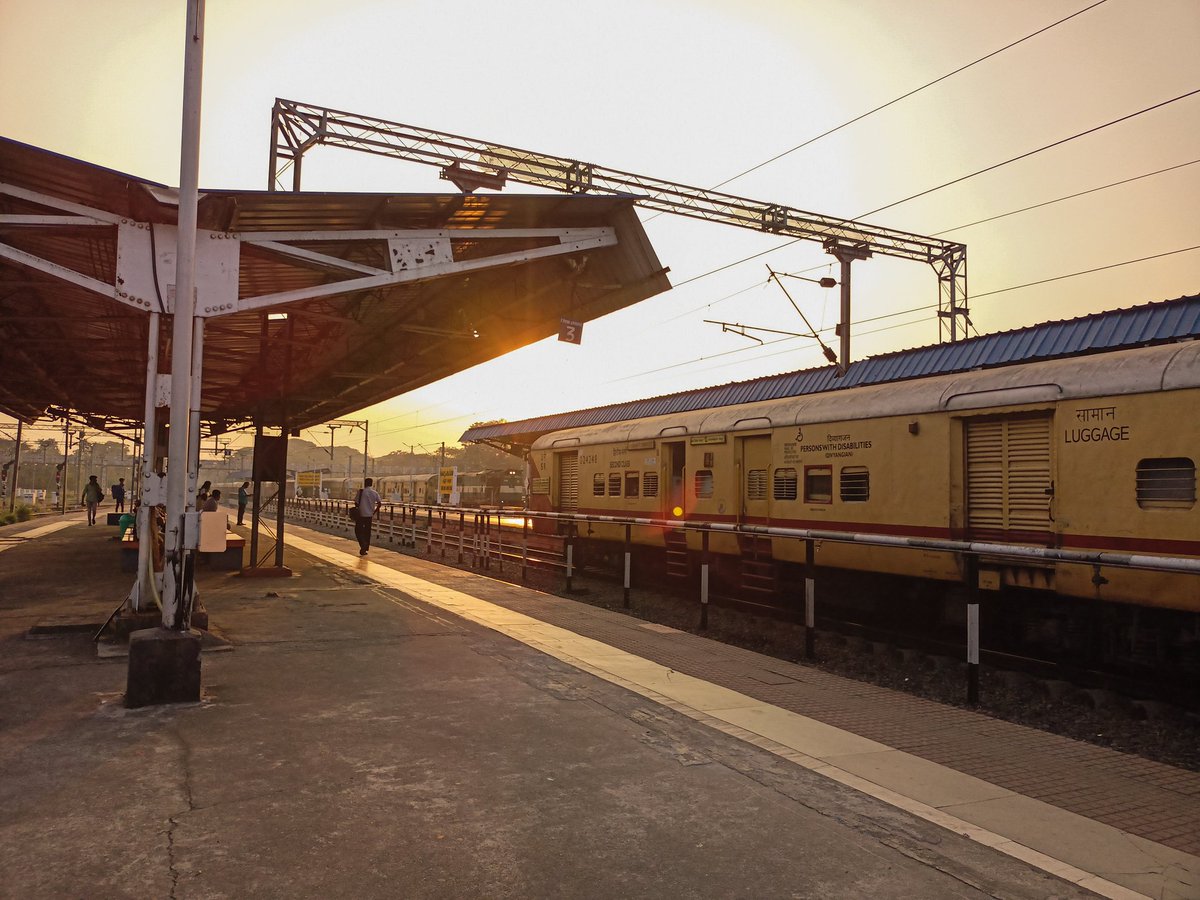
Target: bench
column 228, row 560
column 129, row 550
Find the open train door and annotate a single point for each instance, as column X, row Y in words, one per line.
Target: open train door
column 674, row 454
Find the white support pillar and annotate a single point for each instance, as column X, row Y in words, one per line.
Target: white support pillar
column 194, row 413
column 142, row 588
column 176, row 574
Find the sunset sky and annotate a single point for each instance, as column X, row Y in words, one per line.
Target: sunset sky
column 694, row 92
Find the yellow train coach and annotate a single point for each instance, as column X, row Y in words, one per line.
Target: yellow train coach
column 1091, row 452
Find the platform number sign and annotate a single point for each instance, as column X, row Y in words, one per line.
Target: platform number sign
column 570, row 331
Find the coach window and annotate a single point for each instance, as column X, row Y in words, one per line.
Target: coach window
column 598, row 485
column 631, row 484
column 856, row 484
column 785, row 484
column 650, row 484
column 818, row 484
column 614, row 484
column 1168, row 483
column 704, row 483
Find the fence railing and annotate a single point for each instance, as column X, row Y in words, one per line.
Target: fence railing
column 478, row 536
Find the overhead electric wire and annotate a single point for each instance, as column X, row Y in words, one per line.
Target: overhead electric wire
column 896, row 100
column 1127, row 262
column 901, row 312
column 1067, row 197
column 789, row 243
column 905, row 96
column 1014, row 159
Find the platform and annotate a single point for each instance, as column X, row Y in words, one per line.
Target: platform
column 390, row 727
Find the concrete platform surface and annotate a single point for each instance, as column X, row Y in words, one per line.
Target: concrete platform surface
column 388, row 728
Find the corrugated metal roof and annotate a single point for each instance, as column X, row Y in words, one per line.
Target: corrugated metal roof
column 64, row 346
column 1152, row 323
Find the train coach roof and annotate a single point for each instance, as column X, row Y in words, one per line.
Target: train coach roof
column 1121, row 329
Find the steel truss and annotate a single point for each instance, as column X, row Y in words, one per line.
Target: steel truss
column 471, row 163
column 142, row 280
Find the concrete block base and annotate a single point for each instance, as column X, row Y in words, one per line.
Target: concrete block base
column 164, row 667
column 126, row 621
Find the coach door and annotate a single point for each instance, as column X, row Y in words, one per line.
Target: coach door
column 1010, row 484
column 674, row 455
column 755, row 477
column 568, row 481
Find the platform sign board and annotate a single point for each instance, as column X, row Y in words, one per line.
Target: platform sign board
column 570, row 331
column 448, row 485
column 308, row 480
column 308, row 484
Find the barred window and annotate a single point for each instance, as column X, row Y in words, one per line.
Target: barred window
column 650, row 484
column 598, row 485
column 756, row 484
column 614, row 484
column 704, row 483
column 785, row 484
column 818, row 484
column 631, row 484
column 856, row 484
column 1168, row 483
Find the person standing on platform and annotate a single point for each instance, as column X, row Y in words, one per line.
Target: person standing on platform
column 368, row 502
column 118, row 495
column 213, row 503
column 92, row 495
column 202, row 495
column 243, row 500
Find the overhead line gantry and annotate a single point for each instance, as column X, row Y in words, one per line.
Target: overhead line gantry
column 471, row 163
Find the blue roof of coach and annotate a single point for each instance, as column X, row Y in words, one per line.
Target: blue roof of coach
column 1118, row 329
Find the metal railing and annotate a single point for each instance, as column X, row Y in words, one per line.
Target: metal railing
column 479, row 535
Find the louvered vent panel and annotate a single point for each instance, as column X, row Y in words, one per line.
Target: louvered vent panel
column 568, row 481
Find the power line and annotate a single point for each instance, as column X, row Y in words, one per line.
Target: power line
column 1127, row 262
column 958, row 180
column 688, row 312
column 905, row 96
column 903, row 312
column 1067, row 197
column 1057, row 143
column 430, row 424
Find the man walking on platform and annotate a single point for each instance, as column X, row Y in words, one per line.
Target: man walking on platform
column 92, row 495
column 118, row 495
column 366, row 505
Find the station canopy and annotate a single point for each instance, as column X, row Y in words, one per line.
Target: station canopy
column 383, row 293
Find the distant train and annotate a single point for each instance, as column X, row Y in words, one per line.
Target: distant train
column 1094, row 452
column 492, row 487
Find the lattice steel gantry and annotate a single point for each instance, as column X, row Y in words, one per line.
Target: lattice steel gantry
column 471, row 163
